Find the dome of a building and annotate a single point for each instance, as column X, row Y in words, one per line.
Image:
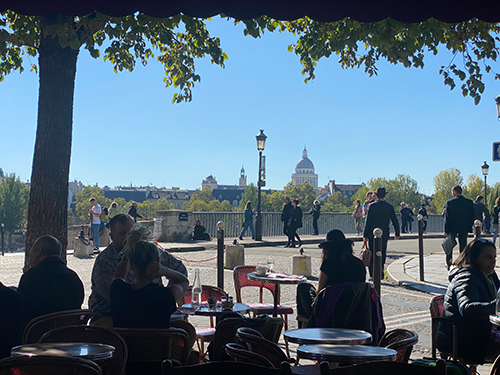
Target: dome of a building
column 305, row 162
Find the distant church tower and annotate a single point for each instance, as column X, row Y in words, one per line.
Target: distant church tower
column 243, row 178
column 304, row 171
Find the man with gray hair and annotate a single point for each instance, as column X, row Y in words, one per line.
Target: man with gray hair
column 49, row 286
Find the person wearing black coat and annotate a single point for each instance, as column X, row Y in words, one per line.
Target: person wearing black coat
column 315, row 211
column 379, row 214
column 422, row 211
column 286, row 214
column 469, row 301
column 294, row 223
column 458, row 219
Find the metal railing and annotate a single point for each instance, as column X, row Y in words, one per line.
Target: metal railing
column 273, row 226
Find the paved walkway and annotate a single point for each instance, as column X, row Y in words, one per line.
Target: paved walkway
column 406, row 272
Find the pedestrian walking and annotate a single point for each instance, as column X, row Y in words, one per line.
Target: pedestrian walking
column 358, row 215
column 380, row 213
column 315, row 211
column 496, row 212
column 286, row 214
column 422, row 211
column 248, row 222
column 403, row 210
column 294, row 223
column 459, row 216
column 410, row 217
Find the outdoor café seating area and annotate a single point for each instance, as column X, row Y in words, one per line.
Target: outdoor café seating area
column 244, row 337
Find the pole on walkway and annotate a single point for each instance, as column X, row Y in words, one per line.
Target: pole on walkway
column 220, row 255
column 477, row 229
column 3, row 243
column 421, row 245
column 377, row 258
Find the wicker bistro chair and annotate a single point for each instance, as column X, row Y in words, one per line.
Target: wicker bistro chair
column 239, row 353
column 114, row 365
column 40, row 325
column 48, row 365
column 148, row 347
column 224, row 367
column 401, row 340
column 384, row 368
column 204, row 335
column 227, row 329
column 256, row 343
column 241, row 281
column 436, row 307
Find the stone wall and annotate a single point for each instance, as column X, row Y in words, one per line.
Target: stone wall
column 176, row 226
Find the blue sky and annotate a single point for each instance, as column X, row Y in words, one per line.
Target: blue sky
column 355, row 127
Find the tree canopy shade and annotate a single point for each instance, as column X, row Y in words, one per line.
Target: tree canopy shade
column 318, row 10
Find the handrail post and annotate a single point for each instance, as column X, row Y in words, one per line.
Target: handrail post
column 477, row 229
column 377, row 258
column 421, row 245
column 220, row 255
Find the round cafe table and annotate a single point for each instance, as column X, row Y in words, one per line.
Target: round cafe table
column 277, row 279
column 346, row 354
column 217, row 312
column 336, row 336
column 92, row 351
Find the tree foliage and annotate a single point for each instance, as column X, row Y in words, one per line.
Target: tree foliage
column 443, row 183
column 402, row 188
column 13, row 203
column 473, row 187
column 474, row 46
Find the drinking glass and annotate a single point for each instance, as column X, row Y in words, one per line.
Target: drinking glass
column 270, row 264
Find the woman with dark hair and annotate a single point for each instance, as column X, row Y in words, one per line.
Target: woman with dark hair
column 248, row 222
column 338, row 266
column 144, row 303
column 294, row 223
column 469, row 301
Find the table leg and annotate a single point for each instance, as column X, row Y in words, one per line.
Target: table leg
column 276, row 295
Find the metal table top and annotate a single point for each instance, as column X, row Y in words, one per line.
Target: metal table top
column 346, row 354
column 337, row 336
column 92, row 351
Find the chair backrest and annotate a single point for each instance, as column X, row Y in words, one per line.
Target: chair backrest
column 48, row 365
column 153, row 345
column 40, row 325
column 384, row 368
column 401, row 340
column 114, row 365
column 495, row 368
column 225, row 367
column 206, row 291
column 349, row 305
column 240, row 354
column 259, row 345
column 241, row 281
column 226, row 333
column 436, row 306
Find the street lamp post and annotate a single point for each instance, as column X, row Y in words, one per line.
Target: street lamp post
column 261, row 144
column 485, row 168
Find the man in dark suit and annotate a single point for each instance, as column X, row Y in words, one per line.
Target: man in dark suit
column 379, row 214
column 286, row 215
column 49, row 286
column 458, row 219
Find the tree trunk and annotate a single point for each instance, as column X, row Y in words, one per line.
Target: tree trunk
column 48, row 204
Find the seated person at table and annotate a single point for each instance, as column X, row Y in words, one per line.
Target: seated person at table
column 469, row 301
column 199, row 232
column 49, row 286
column 143, row 303
column 11, row 319
column 105, row 266
column 339, row 266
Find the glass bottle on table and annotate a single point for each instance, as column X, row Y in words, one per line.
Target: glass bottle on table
column 196, row 290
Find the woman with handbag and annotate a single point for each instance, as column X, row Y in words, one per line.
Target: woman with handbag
column 338, row 266
column 357, row 215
